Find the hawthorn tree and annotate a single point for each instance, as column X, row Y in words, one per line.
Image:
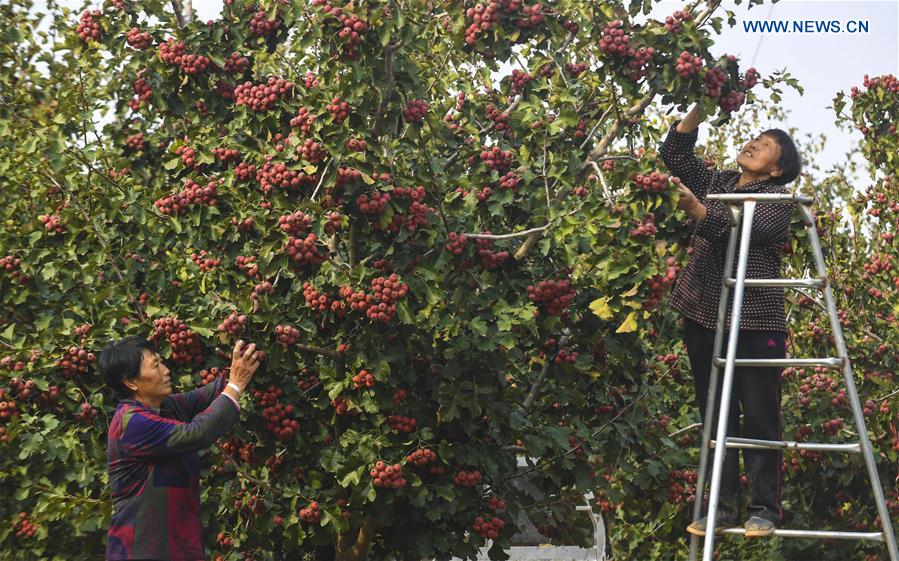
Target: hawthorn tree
column 447, row 270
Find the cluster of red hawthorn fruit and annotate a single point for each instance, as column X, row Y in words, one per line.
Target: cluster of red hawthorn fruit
column 552, row 296
column 185, row 343
column 248, row 265
column 338, row 109
column 654, row 182
column 52, row 223
column 496, row 158
column 384, row 475
column 24, row 528
column 351, row 26
column 311, row 514
column 233, row 324
column 236, row 63
column 386, row 292
column 262, row 97
column 303, row 251
column 400, row 423
column 174, row 53
column 276, row 415
column 500, row 118
column 673, row 23
column 192, row 194
column 136, row 142
column 682, row 486
column 519, row 80
column 209, row 376
column 287, row 334
column 464, row 478
column 645, row 227
column 484, row 16
column 313, row 152
column 421, row 457
column 488, row 526
column 204, row 261
column 659, row 284
column 86, row 414
column 364, row 379
column 138, row 39
column 687, row 65
column 142, row 92
column 88, row 29
column 261, row 26
column 303, row 120
column 277, row 175
column 75, row 361
column 11, row 264
column 490, row 260
column 226, row 155
column 415, row 111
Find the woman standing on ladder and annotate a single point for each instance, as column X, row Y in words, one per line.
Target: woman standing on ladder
column 767, row 164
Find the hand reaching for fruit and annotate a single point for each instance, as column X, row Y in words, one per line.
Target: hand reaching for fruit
column 244, row 362
column 690, row 204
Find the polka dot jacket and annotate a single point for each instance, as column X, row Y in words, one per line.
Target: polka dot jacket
column 698, row 290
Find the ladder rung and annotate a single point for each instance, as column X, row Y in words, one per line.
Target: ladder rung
column 783, row 283
column 817, row 534
column 833, row 362
column 734, row 442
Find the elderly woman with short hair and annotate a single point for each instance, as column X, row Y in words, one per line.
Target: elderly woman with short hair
column 154, row 438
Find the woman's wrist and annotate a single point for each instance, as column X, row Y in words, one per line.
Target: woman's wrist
column 235, row 387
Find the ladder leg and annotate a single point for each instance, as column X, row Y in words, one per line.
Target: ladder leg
column 867, row 449
column 727, row 386
column 713, row 384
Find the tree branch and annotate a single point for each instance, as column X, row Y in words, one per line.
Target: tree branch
column 388, row 91
column 532, row 395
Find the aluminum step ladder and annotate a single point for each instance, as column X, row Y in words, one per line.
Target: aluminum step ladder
column 742, row 219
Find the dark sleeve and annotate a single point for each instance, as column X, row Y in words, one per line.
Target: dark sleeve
column 770, row 223
column 678, row 156
column 150, row 435
column 185, row 405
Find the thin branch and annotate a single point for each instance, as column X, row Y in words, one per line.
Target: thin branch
column 322, row 178
column 532, row 395
column 388, row 91
column 316, row 350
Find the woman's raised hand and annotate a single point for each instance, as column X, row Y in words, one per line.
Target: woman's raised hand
column 244, row 362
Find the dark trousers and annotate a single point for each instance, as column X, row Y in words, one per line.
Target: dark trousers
column 756, row 392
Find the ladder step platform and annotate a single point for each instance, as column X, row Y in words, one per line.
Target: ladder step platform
column 735, row 442
column 816, row 534
column 831, row 362
column 780, row 283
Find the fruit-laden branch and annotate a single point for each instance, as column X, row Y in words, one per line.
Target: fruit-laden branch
column 600, row 150
column 349, row 549
column 532, row 395
column 138, row 309
column 458, row 153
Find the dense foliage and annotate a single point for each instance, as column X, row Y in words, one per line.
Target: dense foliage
column 447, row 271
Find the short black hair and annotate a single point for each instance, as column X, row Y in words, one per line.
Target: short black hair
column 120, row 361
column 789, row 162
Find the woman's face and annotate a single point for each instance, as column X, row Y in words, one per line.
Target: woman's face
column 760, row 156
column 154, row 383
